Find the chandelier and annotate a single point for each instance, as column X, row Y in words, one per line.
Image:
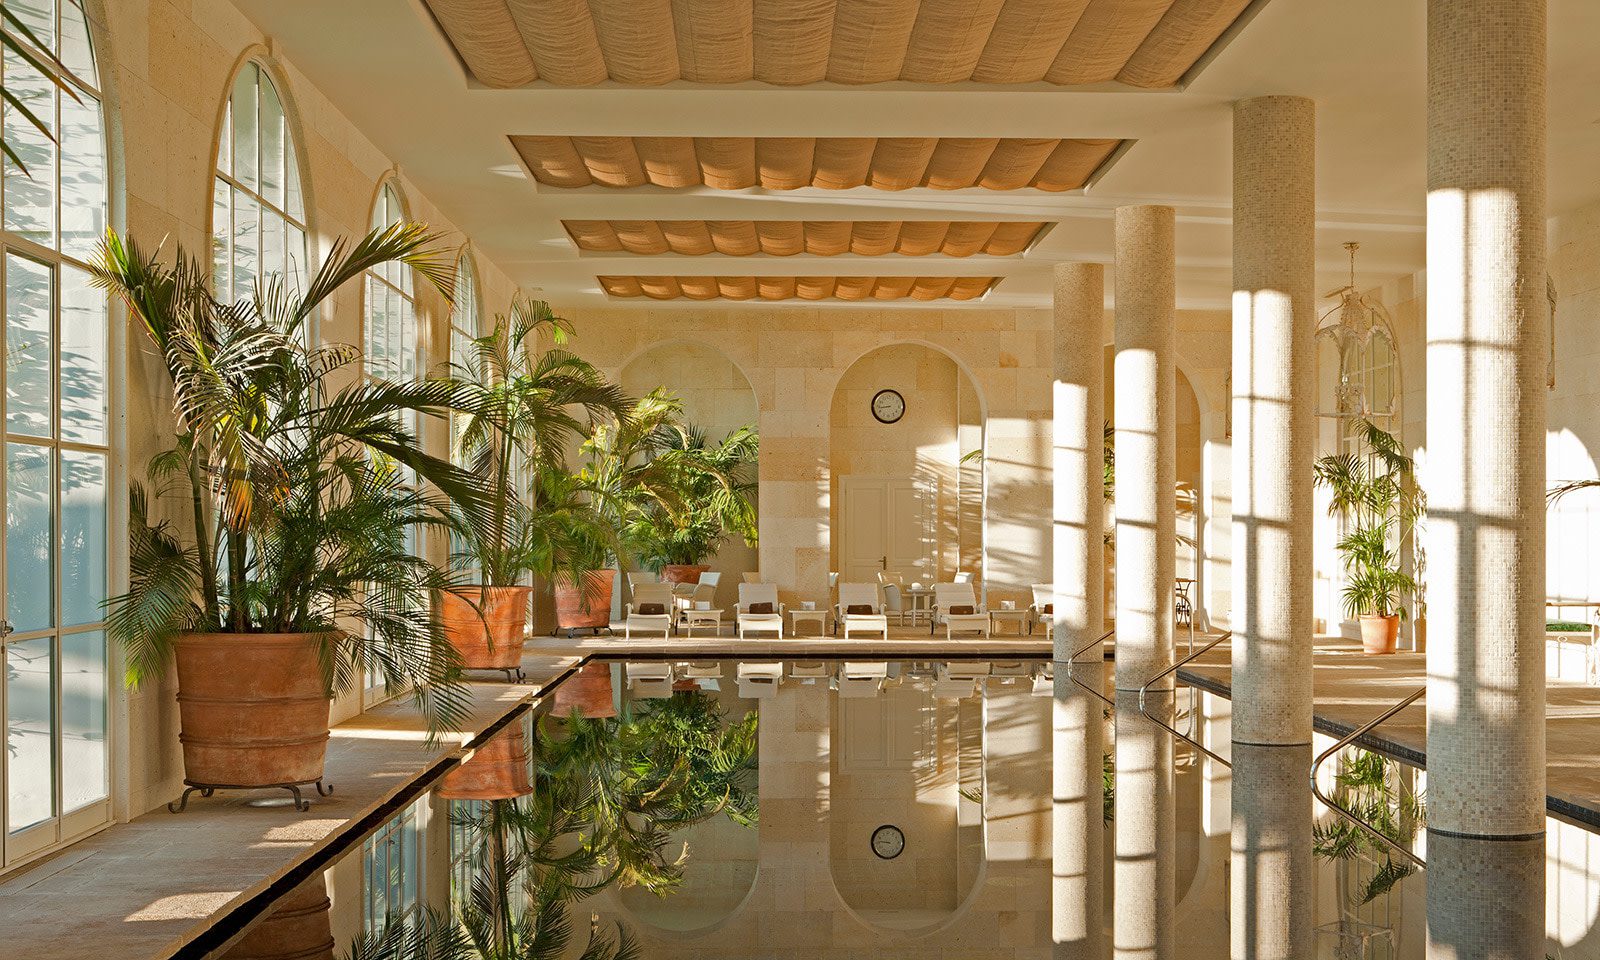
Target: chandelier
column 1349, row 326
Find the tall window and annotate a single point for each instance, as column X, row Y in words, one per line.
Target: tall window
column 392, row 870
column 391, row 335
column 466, row 325
column 258, row 215
column 54, row 693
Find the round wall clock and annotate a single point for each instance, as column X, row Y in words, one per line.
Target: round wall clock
column 888, row 406
column 888, row 842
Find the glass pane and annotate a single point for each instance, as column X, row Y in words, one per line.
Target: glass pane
column 294, row 203
column 246, row 244
column 30, row 552
column 83, row 358
column 27, row 346
column 296, row 253
column 221, row 234
column 83, row 177
column 77, row 51
column 225, row 141
column 38, row 16
column 83, row 537
column 83, row 719
column 271, row 243
column 271, row 145
column 30, row 725
column 244, row 126
column 30, row 196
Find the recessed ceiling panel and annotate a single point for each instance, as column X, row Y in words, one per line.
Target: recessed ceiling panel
column 1144, row 43
column 832, row 163
column 817, row 238
column 798, row 288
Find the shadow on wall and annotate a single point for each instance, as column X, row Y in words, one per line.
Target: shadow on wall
column 718, row 398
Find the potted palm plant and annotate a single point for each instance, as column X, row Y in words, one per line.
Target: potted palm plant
column 713, row 488
column 532, row 404
column 1375, row 494
column 294, row 579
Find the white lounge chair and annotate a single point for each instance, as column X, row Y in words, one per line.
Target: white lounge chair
column 966, row 670
column 808, row 670
column 649, row 681
column 862, row 679
column 703, row 670
column 1044, row 680
column 860, row 596
column 769, row 619
column 641, row 616
column 705, row 591
column 759, row 680
column 1043, row 609
column 948, row 598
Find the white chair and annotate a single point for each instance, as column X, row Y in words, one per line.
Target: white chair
column 649, row 681
column 749, row 577
column 894, row 603
column 951, row 597
column 862, row 679
column 1011, row 669
column 963, row 578
column 966, row 670
column 704, row 592
column 860, row 596
column 640, row 577
column 649, row 597
column 759, row 680
column 1043, row 609
column 703, row 670
column 769, row 619
column 957, row 689
column 1044, row 680
column 808, row 670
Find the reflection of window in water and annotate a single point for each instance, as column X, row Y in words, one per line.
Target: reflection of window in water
column 392, row 871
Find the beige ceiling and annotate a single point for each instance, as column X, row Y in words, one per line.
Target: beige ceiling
column 575, row 43
column 799, row 288
column 830, row 163
column 818, row 238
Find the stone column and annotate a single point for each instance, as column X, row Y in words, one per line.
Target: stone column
column 1143, row 874
column 1274, row 325
column 1485, row 465
column 1078, row 736
column 1146, row 443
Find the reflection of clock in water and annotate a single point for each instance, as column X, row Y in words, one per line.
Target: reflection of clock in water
column 888, row 842
column 888, row 406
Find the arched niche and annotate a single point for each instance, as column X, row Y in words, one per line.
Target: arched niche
column 926, row 466
column 718, row 398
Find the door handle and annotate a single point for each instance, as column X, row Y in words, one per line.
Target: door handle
column 883, row 562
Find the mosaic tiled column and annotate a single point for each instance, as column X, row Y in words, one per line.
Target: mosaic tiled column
column 1274, row 325
column 1078, row 612
column 1146, row 443
column 1144, row 876
column 1487, row 349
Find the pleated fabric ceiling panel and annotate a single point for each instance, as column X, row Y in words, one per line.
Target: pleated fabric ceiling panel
column 799, row 288
column 818, row 238
column 832, row 163
column 1144, row 43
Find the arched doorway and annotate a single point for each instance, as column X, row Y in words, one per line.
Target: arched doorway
column 907, row 475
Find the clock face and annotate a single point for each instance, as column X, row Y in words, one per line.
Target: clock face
column 888, row 406
column 888, row 842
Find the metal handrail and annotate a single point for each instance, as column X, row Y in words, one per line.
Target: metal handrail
column 1344, row 812
column 1168, row 727
column 1085, row 649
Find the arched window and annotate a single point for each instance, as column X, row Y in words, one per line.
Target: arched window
column 258, row 211
column 391, row 329
column 466, row 316
column 56, row 446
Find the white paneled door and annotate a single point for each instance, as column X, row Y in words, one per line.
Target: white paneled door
column 887, row 524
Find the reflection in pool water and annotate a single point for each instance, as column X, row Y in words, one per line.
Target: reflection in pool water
column 656, row 834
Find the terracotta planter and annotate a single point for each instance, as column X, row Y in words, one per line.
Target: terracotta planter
column 588, row 691
column 498, row 770
column 683, row 572
column 253, row 708
column 1379, row 634
column 298, row 928
column 570, row 612
column 494, row 641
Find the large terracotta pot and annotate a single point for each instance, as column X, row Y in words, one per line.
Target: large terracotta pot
column 683, row 572
column 570, row 612
column 494, row 641
column 1379, row 634
column 253, row 708
column 588, row 691
column 498, row 770
column 298, row 928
